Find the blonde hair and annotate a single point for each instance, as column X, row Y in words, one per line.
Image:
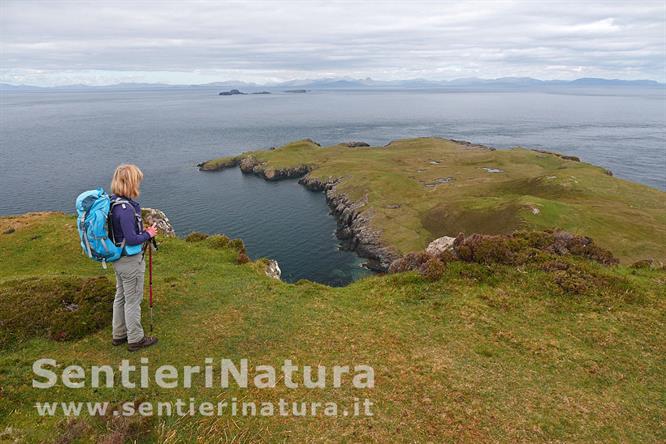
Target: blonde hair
column 126, row 181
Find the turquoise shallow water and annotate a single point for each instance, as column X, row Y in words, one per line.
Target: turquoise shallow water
column 55, row 144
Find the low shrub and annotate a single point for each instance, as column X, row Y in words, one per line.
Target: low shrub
column 648, row 264
column 58, row 308
column 553, row 265
column 196, row 236
column 559, row 253
column 573, row 281
column 72, row 429
column 575, row 277
column 218, row 241
column 121, row 429
column 447, row 256
column 110, row 428
column 487, row 249
column 238, row 245
column 409, row 262
column 585, row 247
column 242, row 258
column 432, row 270
column 526, row 247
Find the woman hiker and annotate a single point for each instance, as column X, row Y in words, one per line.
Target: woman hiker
column 127, row 230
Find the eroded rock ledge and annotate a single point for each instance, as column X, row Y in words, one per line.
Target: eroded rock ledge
column 353, row 224
column 251, row 165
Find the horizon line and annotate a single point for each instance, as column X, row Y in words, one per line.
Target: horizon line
column 333, row 79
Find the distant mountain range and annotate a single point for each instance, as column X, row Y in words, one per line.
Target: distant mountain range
column 471, row 83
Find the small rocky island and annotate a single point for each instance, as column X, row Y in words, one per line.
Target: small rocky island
column 396, row 199
column 232, row 92
column 236, row 92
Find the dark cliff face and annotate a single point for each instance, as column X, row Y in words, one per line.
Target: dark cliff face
column 251, row 165
column 353, row 229
column 287, row 173
column 247, row 164
column 316, row 184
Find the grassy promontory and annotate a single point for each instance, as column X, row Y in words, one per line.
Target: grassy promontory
column 564, row 349
column 413, row 191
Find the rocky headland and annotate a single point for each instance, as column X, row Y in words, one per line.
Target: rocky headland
column 392, row 200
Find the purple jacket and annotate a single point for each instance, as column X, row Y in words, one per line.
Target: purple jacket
column 125, row 223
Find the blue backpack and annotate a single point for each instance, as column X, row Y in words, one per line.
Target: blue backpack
column 95, row 231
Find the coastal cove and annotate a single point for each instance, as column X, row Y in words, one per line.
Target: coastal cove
column 168, row 132
column 393, row 200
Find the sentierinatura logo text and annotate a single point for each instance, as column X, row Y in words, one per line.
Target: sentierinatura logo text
column 222, row 373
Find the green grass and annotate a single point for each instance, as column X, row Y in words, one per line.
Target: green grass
column 485, row 354
column 221, row 163
column 627, row 218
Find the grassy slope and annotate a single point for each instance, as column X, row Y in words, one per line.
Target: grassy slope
column 485, row 354
column 625, row 217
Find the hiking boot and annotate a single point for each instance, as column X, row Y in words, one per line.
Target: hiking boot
column 120, row 341
column 147, row 341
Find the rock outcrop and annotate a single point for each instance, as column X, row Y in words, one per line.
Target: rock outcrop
column 247, row 164
column 252, row 165
column 354, row 229
column 468, row 144
column 286, row 173
column 355, row 144
column 440, row 245
column 314, row 142
column 273, row 269
column 317, row 184
column 154, row 216
column 561, row 156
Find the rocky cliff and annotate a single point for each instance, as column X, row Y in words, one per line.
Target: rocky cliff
column 354, row 228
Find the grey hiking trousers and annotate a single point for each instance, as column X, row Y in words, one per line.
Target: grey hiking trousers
column 130, row 271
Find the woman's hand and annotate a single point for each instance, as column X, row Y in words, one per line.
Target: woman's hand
column 152, row 230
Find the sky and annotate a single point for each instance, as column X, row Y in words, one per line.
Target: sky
column 53, row 42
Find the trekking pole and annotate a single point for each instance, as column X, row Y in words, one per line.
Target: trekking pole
column 150, row 284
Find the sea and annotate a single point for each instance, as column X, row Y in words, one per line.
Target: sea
column 55, row 144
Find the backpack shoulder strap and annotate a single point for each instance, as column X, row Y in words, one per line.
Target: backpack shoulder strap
column 118, row 201
column 115, row 201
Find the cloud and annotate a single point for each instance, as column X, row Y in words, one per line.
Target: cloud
column 198, row 41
